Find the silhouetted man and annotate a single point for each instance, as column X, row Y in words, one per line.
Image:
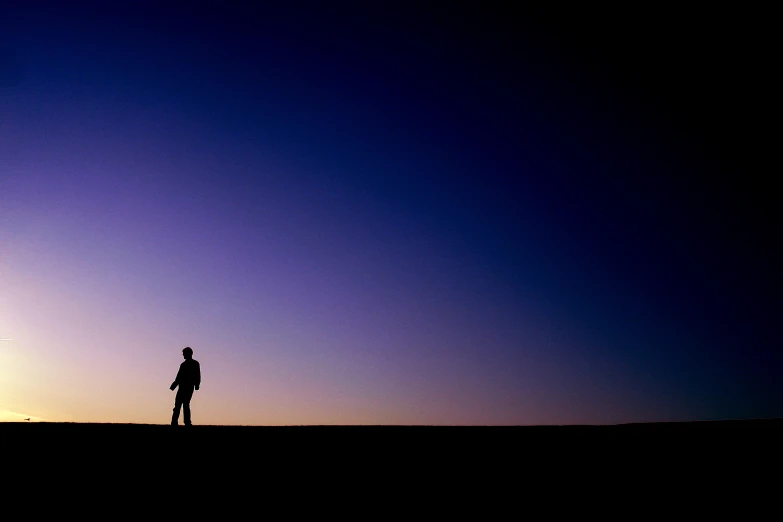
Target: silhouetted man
column 188, row 379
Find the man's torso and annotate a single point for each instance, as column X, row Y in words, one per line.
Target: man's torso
column 188, row 373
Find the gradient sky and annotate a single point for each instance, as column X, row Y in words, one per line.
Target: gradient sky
column 400, row 215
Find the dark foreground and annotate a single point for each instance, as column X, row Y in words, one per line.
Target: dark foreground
column 391, row 464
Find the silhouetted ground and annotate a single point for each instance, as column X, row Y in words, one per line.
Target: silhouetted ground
column 315, row 467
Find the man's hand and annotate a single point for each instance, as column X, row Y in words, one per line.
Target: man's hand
column 197, row 386
column 173, row 385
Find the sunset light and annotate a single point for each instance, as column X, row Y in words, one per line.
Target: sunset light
column 381, row 215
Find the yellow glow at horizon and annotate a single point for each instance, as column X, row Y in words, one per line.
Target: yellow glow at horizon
column 12, row 416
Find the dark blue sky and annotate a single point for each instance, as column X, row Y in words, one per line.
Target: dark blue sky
column 584, row 187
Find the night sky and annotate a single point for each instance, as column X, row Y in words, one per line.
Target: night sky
column 388, row 213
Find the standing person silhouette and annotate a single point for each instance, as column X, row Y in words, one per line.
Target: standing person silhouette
column 188, row 379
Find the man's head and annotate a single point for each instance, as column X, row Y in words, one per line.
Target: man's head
column 187, row 352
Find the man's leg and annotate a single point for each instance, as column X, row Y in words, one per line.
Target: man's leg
column 187, row 394
column 175, row 415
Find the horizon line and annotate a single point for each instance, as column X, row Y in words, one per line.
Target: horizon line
column 409, row 425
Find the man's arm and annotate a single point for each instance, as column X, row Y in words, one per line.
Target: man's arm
column 198, row 375
column 176, row 379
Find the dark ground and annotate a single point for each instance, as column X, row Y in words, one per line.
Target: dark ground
column 485, row 446
column 353, row 469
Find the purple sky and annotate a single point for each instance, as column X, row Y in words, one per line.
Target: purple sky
column 359, row 223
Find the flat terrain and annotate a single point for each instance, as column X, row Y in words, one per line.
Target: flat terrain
column 379, row 461
column 401, row 443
